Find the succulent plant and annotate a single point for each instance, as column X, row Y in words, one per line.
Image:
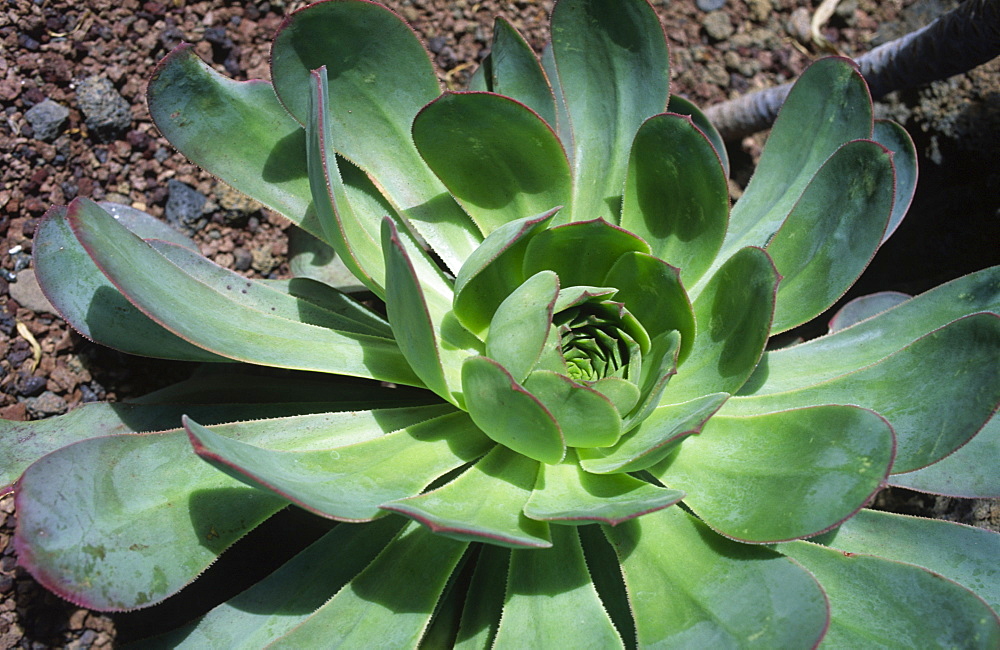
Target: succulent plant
column 568, row 427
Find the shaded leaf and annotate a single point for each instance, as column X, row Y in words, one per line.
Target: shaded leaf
column 904, row 157
column 581, row 253
column 722, row 594
column 521, row 324
column 586, row 417
column 512, row 69
column 865, row 307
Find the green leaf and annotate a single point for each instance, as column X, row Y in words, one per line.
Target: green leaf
column 511, row 69
column 199, row 313
column 564, row 493
column 91, row 304
column 613, row 71
column 961, row 553
column 418, row 306
column 832, row 232
column 144, row 225
column 499, row 160
column 654, row 438
column 481, row 614
column 483, row 504
column 348, row 481
column 509, row 414
column 333, row 311
column 904, row 157
column 238, row 131
column 879, row 603
column 551, row 600
column 521, row 325
column 865, row 307
column 733, row 317
column 865, row 343
column 288, row 596
column 581, row 253
column 313, row 259
column 681, row 106
column 372, row 102
column 123, row 522
column 494, row 270
column 784, row 475
column 563, row 126
column 676, row 195
column 392, row 600
column 965, row 473
column 812, row 125
column 652, row 291
column 658, row 366
column 691, row 588
column 931, row 418
column 355, row 240
column 586, row 417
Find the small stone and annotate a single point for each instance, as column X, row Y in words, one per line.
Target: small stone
column 242, row 259
column 760, row 10
column 45, row 405
column 28, row 294
column 107, row 113
column 263, row 261
column 184, row 204
column 29, row 385
column 717, row 26
column 46, row 119
column 710, row 5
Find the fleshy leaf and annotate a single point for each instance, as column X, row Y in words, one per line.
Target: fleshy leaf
column 551, row 600
column 721, row 595
column 566, row 494
column 931, row 419
column 658, row 366
column 145, row 225
column 91, row 304
column 681, row 106
column 963, row 473
column 586, row 417
column 494, row 270
column 880, row 603
column 511, row 69
column 392, row 600
column 904, row 157
column 418, row 305
column 348, row 483
column 652, row 291
column 654, row 438
column 961, row 553
column 288, row 596
column 521, row 324
column 832, row 232
column 483, row 504
column 865, row 307
column 499, row 159
column 333, row 310
column 481, row 614
column 372, row 103
column 196, row 312
column 812, row 125
column 313, row 259
column 238, row 131
column 581, row 252
column 866, row 342
column 676, row 195
column 733, row 317
column 125, row 555
column 784, row 475
column 355, row 240
column 612, row 79
column 508, row 413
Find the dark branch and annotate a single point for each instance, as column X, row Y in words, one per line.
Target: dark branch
column 958, row 41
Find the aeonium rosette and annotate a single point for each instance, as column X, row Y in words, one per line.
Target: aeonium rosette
column 584, row 416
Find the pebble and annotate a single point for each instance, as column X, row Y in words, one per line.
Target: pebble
column 28, row 294
column 107, row 113
column 46, row 119
column 717, row 26
column 184, row 204
column 45, row 405
column 242, row 259
column 29, row 385
column 710, row 5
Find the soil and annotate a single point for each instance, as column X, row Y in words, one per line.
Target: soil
column 51, row 49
